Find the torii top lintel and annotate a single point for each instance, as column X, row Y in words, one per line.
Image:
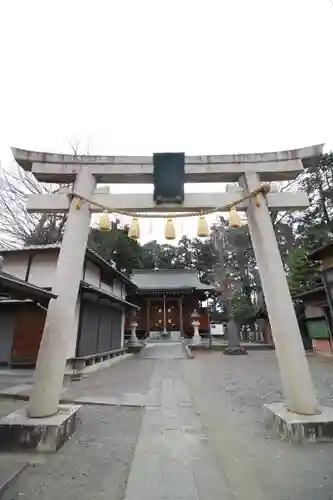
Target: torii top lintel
column 62, row 168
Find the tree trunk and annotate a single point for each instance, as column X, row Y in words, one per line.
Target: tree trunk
column 234, row 346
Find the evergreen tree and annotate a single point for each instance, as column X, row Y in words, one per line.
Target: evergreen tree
column 302, row 273
column 116, row 247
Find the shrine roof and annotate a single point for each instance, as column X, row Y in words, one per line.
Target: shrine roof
column 168, row 279
column 322, row 252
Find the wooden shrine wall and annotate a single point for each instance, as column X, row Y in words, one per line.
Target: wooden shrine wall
column 153, row 320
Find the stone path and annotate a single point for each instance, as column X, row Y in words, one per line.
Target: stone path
column 173, row 459
column 167, row 350
column 10, row 378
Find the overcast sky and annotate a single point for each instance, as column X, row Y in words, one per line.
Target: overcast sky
column 141, row 76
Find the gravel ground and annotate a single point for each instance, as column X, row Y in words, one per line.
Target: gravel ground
column 93, row 464
column 229, row 392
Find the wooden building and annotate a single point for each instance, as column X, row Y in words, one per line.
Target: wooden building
column 14, row 329
column 167, row 298
column 314, row 318
column 98, row 321
column 317, row 304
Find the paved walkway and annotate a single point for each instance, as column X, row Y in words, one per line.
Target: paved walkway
column 10, row 377
column 164, row 350
column 173, row 459
column 199, row 436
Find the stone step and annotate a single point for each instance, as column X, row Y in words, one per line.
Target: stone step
column 172, row 336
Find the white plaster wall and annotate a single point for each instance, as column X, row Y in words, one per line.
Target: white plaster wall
column 72, row 335
column 106, row 287
column 117, row 288
column 16, row 264
column 42, row 269
column 92, row 274
column 312, row 311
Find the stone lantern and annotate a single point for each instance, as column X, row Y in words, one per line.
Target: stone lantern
column 195, row 316
column 133, row 344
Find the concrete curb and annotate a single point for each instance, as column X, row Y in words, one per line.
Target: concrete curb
column 15, row 397
column 97, row 367
column 82, row 402
column 248, row 347
column 75, row 401
column 8, row 482
column 322, row 356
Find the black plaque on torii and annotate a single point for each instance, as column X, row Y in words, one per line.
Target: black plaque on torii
column 169, row 177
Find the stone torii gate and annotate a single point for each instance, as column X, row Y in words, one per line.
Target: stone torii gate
column 249, row 171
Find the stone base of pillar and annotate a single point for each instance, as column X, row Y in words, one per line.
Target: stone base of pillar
column 18, row 432
column 134, row 348
column 235, row 350
column 297, row 428
column 196, row 339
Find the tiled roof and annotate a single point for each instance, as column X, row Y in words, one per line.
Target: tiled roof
column 310, row 293
column 31, row 247
column 167, row 279
column 320, row 252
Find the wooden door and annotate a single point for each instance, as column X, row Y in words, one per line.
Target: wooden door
column 156, row 315
column 28, row 334
column 104, row 328
column 172, row 315
column 7, row 328
column 88, row 334
column 117, row 321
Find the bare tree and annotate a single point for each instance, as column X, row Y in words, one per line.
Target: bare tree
column 226, row 278
column 75, row 144
column 17, row 225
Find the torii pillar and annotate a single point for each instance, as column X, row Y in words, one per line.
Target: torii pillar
column 300, row 415
column 293, row 364
column 52, row 355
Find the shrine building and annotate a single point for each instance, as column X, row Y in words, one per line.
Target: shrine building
column 167, row 298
